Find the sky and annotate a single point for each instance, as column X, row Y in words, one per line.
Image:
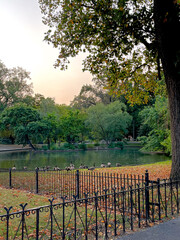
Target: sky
column 21, row 44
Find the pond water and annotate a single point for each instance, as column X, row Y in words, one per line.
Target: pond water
column 127, row 156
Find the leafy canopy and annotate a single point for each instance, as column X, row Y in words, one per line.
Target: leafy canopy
column 118, row 36
column 14, row 86
column 24, row 122
column 108, row 122
column 155, row 127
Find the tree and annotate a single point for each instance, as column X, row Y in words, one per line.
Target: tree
column 25, row 124
column 47, row 106
column 108, row 122
column 73, row 126
column 90, row 95
column 155, row 126
column 113, row 33
column 14, row 87
column 53, row 130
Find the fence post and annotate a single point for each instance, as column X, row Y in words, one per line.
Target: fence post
column 77, row 183
column 159, row 195
column 10, row 178
column 51, row 217
column 37, row 179
column 37, row 223
column 7, row 221
column 147, row 193
column 23, row 220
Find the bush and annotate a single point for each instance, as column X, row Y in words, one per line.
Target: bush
column 111, row 145
column 119, row 145
column 90, row 145
column 45, row 147
column 96, row 144
column 82, row 146
column 54, row 147
column 69, row 146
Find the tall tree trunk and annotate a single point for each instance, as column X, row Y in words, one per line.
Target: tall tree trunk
column 167, row 26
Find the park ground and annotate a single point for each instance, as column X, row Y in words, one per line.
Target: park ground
column 14, row 197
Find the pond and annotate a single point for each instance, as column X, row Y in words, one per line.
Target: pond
column 127, row 156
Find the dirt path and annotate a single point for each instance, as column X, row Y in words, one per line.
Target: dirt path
column 7, row 147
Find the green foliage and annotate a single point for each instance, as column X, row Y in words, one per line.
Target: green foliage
column 119, row 145
column 25, row 123
column 154, row 131
column 82, row 146
column 166, row 143
column 45, row 147
column 111, row 145
column 108, row 122
column 14, row 87
column 90, row 95
column 73, row 126
column 96, row 144
column 119, row 37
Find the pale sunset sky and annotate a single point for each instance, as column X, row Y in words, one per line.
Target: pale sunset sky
column 21, row 44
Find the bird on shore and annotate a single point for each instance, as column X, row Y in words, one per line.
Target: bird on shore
column 14, row 168
column 109, row 164
column 56, row 168
column 81, row 166
column 91, row 168
column 103, row 165
column 118, row 165
column 68, row 168
column 72, row 166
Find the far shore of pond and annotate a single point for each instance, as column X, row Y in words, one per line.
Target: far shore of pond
column 15, row 147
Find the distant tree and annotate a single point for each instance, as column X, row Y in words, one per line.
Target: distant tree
column 14, row 86
column 25, row 124
column 73, row 126
column 54, row 131
column 47, row 106
column 108, row 122
column 91, row 95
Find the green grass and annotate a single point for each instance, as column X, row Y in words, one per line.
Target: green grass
column 12, row 197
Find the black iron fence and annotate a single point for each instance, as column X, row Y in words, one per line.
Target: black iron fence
column 101, row 216
column 68, row 183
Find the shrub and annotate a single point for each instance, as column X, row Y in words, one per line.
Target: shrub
column 90, row 145
column 96, row 144
column 45, row 147
column 111, row 145
column 82, row 146
column 119, row 145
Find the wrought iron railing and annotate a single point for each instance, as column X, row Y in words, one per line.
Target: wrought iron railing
column 67, row 183
column 101, row 216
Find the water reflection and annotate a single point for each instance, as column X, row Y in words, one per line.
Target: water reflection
column 127, row 156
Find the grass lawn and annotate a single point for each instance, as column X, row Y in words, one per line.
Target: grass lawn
column 12, row 197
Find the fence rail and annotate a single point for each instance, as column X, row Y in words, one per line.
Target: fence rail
column 101, row 216
column 67, row 183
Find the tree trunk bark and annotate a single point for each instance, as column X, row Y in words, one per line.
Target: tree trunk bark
column 48, row 140
column 167, row 26
column 30, row 143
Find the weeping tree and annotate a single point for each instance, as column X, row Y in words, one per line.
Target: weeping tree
column 130, row 42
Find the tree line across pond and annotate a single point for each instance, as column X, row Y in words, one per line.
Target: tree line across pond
column 94, row 115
